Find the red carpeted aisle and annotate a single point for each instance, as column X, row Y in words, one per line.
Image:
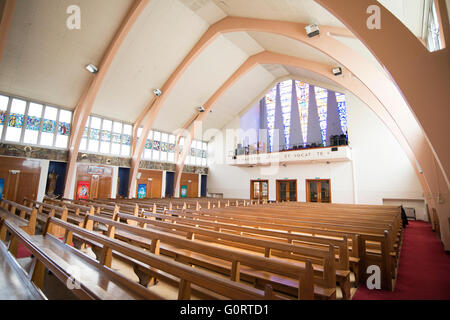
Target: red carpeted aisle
column 424, row 268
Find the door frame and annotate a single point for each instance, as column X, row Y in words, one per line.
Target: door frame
column 252, row 196
column 286, row 180
column 319, row 193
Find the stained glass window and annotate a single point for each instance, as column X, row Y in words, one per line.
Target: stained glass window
column 270, row 109
column 342, row 109
column 33, row 123
column 94, row 134
column 286, row 102
column 116, row 137
column 106, row 136
column 126, row 139
column 3, row 108
column 64, row 120
column 48, row 126
column 15, row 121
column 322, row 107
column 433, row 35
column 303, row 105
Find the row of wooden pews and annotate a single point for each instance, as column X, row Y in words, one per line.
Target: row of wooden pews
column 100, row 281
column 369, row 242
column 323, row 256
column 283, row 251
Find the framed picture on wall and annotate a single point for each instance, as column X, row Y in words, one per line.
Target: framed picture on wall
column 2, row 183
column 83, row 190
column 142, row 191
column 183, row 191
column 96, row 170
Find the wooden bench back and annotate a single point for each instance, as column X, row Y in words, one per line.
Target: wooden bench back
column 188, row 275
column 303, row 273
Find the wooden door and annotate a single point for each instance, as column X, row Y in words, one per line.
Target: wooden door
column 286, row 190
column 152, row 179
column 93, row 192
column 318, row 190
column 12, row 185
column 191, row 181
column 259, row 190
column 20, row 178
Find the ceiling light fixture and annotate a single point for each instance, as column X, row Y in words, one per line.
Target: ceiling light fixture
column 337, row 71
column 201, row 109
column 91, row 68
column 312, row 30
column 157, row 92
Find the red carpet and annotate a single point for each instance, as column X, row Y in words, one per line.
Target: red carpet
column 424, row 268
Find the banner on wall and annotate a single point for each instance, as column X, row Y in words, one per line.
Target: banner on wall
column 96, row 170
column 83, row 190
column 183, row 191
column 142, row 191
column 2, row 183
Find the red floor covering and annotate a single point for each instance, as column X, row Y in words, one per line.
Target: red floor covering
column 424, row 268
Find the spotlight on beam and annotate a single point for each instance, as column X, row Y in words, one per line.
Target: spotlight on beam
column 157, row 92
column 312, row 30
column 201, row 109
column 337, row 71
column 91, row 68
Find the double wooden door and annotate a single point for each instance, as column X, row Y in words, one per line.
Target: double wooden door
column 318, row 190
column 259, row 190
column 20, row 178
column 286, row 190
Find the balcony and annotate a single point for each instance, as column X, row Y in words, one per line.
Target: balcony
column 310, row 155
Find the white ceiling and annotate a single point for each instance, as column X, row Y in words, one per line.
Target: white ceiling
column 43, row 60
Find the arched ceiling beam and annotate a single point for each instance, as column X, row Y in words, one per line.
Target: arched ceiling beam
column 422, row 77
column 226, row 25
column 370, row 76
column 6, row 18
column 346, row 80
column 84, row 106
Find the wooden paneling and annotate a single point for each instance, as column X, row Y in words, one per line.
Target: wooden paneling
column 100, row 183
column 154, row 185
column 21, row 178
column 192, row 186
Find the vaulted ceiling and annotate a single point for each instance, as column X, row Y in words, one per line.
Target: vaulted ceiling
column 45, row 61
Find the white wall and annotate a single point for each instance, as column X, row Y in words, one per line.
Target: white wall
column 379, row 169
column 115, row 179
column 382, row 169
column 43, row 179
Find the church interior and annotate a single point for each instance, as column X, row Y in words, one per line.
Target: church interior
column 224, row 150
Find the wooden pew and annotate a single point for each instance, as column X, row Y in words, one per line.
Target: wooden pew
column 208, row 255
column 14, row 280
column 23, row 216
column 378, row 248
column 99, row 281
